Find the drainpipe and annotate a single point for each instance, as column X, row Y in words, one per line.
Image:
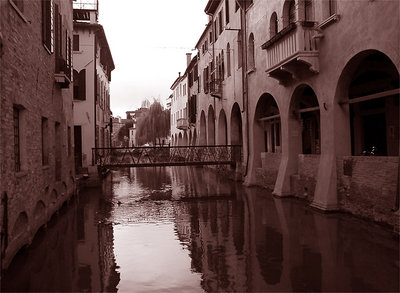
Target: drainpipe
column 245, row 81
column 95, row 94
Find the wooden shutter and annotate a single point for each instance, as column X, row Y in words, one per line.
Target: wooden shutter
column 82, row 85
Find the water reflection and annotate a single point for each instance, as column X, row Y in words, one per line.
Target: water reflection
column 185, row 229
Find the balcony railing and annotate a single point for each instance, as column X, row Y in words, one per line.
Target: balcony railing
column 292, row 50
column 63, row 72
column 182, row 124
column 216, row 88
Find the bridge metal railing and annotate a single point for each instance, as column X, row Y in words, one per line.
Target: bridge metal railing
column 167, row 156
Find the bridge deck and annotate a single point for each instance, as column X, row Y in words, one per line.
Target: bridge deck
column 167, row 156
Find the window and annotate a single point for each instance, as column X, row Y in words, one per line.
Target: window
column 308, row 13
column 332, row 7
column 80, row 85
column 292, row 12
column 76, row 42
column 226, row 11
column 250, row 58
column 216, row 29
column 69, row 141
column 273, row 25
column 221, row 27
column 228, row 60
column 58, row 144
column 17, row 142
column 45, row 141
column 211, row 36
column 240, row 50
column 47, row 25
column 222, row 61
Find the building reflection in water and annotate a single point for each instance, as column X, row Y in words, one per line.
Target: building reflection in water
column 73, row 253
column 254, row 242
column 187, row 229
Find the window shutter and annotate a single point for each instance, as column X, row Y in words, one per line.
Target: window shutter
column 82, row 85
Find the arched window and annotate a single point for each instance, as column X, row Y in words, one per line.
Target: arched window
column 308, row 10
column 273, row 25
column 228, row 60
column 292, row 12
column 250, row 58
column 240, row 50
column 222, row 61
column 80, row 85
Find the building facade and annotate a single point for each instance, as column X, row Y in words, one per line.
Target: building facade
column 179, row 109
column 36, row 129
column 310, row 89
column 93, row 65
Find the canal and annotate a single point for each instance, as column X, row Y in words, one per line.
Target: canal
column 184, row 229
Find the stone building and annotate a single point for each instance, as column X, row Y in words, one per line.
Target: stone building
column 36, row 129
column 311, row 91
column 179, row 109
column 92, row 77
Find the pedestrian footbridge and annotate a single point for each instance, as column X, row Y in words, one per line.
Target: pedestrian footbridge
column 167, row 156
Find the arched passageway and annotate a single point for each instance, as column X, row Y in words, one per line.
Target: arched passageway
column 180, row 139
column 305, row 147
column 374, row 107
column 267, row 140
column 211, row 126
column 306, row 118
column 203, row 129
column 194, row 139
column 222, row 138
column 236, row 126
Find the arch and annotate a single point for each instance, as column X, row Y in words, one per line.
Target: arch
column 289, row 12
column 228, row 60
column 185, row 138
column 203, row 129
column 236, row 125
column 180, row 139
column 369, row 125
column 211, row 126
column 40, row 210
column 190, row 138
column 266, row 119
column 306, row 119
column 273, row 25
column 20, row 225
column 251, row 52
column 194, row 139
column 54, row 195
column 222, row 129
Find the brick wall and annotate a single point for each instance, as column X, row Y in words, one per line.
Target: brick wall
column 303, row 183
column 27, row 80
column 367, row 186
column 267, row 174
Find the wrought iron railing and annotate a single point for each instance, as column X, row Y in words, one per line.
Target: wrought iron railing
column 167, row 156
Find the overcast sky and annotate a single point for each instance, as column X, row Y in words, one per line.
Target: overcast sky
column 149, row 40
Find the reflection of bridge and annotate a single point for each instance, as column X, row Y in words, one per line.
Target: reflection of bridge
column 167, row 156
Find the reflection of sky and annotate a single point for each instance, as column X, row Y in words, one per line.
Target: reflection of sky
column 152, row 260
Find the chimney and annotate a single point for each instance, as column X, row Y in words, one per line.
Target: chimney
column 188, row 58
column 179, row 74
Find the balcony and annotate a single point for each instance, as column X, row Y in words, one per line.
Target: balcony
column 63, row 72
column 182, row 124
column 216, row 88
column 293, row 52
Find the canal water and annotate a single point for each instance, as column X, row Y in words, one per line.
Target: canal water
column 184, row 229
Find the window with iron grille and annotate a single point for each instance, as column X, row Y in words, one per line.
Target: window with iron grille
column 76, row 42
column 17, row 146
column 47, row 25
column 226, row 11
column 45, row 141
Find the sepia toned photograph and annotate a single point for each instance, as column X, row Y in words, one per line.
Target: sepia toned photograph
column 199, row 146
